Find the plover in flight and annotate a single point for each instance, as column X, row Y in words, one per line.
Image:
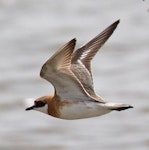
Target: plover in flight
column 70, row 73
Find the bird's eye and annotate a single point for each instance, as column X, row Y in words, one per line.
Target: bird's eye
column 39, row 104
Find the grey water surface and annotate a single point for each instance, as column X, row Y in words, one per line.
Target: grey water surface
column 32, row 30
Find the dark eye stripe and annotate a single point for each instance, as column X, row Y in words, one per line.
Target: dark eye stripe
column 39, row 104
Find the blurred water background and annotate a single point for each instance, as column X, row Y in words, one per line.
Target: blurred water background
column 32, row 30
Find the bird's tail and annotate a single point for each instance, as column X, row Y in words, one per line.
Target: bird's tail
column 118, row 106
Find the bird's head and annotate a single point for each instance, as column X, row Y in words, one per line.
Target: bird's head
column 39, row 104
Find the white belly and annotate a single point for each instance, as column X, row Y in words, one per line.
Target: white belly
column 83, row 110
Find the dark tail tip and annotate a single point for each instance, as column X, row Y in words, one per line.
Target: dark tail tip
column 123, row 108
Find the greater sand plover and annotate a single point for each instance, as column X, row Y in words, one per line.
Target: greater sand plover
column 70, row 73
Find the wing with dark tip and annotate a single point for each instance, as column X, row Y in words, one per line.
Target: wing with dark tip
column 86, row 53
column 81, row 60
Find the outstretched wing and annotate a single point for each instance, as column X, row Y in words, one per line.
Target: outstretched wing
column 86, row 53
column 57, row 71
column 81, row 60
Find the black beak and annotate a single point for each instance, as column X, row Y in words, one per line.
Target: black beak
column 30, row 108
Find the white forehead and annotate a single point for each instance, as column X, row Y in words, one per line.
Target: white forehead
column 29, row 102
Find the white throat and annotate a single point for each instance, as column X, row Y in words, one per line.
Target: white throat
column 43, row 109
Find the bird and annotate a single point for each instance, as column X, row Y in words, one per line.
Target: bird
column 69, row 71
